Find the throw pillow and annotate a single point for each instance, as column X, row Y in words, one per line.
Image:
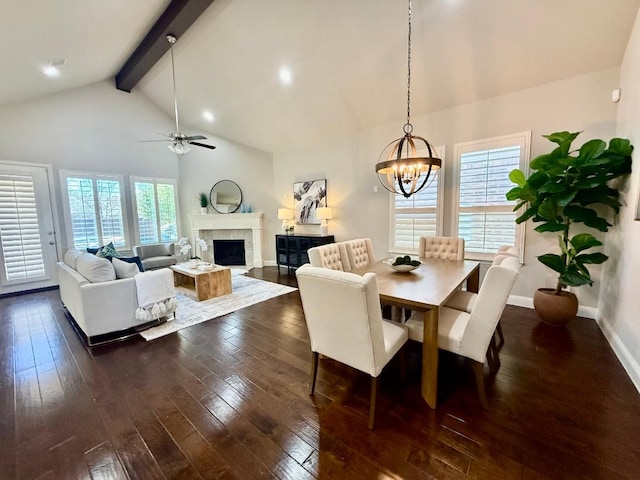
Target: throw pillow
column 108, row 251
column 93, row 250
column 71, row 258
column 124, row 269
column 95, row 269
column 135, row 260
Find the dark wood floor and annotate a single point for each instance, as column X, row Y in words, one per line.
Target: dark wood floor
column 228, row 399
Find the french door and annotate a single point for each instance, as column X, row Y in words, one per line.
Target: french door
column 27, row 234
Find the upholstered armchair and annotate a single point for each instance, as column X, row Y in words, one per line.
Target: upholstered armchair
column 156, row 255
column 332, row 256
column 343, row 316
column 444, row 248
column 469, row 334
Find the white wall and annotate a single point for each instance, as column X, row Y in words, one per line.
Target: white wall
column 98, row 129
column 251, row 169
column 581, row 103
column 619, row 298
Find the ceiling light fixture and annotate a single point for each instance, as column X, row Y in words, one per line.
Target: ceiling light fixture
column 53, row 67
column 408, row 166
column 208, row 116
column 285, row 76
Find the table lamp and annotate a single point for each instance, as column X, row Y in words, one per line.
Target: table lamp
column 324, row 214
column 285, row 214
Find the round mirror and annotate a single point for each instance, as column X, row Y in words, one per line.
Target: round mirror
column 225, row 196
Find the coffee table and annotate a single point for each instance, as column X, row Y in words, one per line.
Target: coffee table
column 202, row 284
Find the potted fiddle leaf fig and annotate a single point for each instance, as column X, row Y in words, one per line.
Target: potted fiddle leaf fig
column 569, row 187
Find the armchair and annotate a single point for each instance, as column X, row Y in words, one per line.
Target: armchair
column 156, row 255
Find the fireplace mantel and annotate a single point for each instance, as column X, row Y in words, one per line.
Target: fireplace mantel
column 231, row 221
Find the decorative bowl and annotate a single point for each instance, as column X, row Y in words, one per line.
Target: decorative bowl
column 403, row 268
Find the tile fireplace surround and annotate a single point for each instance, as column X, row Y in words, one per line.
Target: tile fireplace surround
column 246, row 226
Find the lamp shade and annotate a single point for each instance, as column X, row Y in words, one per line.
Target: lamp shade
column 324, row 213
column 285, row 214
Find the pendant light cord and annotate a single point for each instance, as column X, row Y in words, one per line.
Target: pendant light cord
column 408, row 128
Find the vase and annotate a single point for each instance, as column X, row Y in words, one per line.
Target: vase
column 203, row 210
column 556, row 310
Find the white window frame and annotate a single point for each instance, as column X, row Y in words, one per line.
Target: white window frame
column 64, row 175
column 134, row 202
column 523, row 139
column 440, row 151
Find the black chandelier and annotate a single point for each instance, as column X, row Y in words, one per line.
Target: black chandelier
column 410, row 160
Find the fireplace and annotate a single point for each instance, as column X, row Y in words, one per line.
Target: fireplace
column 228, row 252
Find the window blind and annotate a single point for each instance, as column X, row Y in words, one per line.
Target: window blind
column 156, row 211
column 19, row 229
column 415, row 217
column 485, row 217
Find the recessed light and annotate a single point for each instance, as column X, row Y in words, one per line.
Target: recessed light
column 208, row 116
column 53, row 67
column 285, row 76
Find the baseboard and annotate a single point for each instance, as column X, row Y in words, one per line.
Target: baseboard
column 270, row 263
column 629, row 363
column 527, row 302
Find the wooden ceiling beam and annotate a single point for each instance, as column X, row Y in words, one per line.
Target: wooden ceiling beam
column 175, row 20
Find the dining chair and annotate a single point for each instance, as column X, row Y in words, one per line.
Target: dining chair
column 359, row 252
column 464, row 300
column 469, row 334
column 343, row 316
column 508, row 250
column 331, row 255
column 444, row 248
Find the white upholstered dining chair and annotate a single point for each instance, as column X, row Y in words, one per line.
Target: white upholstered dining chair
column 444, row 248
column 359, row 252
column 469, row 334
column 464, row 300
column 331, row 255
column 343, row 316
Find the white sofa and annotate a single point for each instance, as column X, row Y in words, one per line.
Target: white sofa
column 99, row 303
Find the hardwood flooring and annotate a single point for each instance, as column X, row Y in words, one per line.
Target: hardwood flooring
column 228, row 399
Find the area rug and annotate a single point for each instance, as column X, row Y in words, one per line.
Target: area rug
column 245, row 291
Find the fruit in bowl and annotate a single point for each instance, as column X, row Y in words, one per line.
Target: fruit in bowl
column 404, row 264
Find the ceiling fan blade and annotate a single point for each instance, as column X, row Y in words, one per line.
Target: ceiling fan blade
column 195, row 137
column 162, row 134
column 202, row 145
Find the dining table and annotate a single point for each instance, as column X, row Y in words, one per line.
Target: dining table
column 425, row 290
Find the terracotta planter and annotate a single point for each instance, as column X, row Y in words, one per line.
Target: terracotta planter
column 556, row 310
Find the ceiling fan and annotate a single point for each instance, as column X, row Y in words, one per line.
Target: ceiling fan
column 179, row 141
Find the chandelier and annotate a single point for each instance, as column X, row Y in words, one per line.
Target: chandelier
column 409, row 161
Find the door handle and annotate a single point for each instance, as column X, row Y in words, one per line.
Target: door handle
column 52, row 243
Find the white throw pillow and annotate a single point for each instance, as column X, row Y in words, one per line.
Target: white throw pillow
column 95, row 269
column 71, row 257
column 124, row 269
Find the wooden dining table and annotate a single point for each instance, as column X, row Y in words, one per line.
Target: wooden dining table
column 425, row 290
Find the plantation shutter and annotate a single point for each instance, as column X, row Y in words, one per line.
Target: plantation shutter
column 156, row 210
column 19, row 229
column 486, row 218
column 415, row 217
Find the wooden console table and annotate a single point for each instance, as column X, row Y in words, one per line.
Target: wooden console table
column 202, row 284
column 291, row 250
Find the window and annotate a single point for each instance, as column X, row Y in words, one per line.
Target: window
column 485, row 218
column 419, row 215
column 155, row 209
column 19, row 229
column 94, row 209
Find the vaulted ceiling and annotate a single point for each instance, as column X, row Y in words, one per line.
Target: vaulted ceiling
column 347, row 58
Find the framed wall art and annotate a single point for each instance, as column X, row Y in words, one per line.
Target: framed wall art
column 307, row 197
